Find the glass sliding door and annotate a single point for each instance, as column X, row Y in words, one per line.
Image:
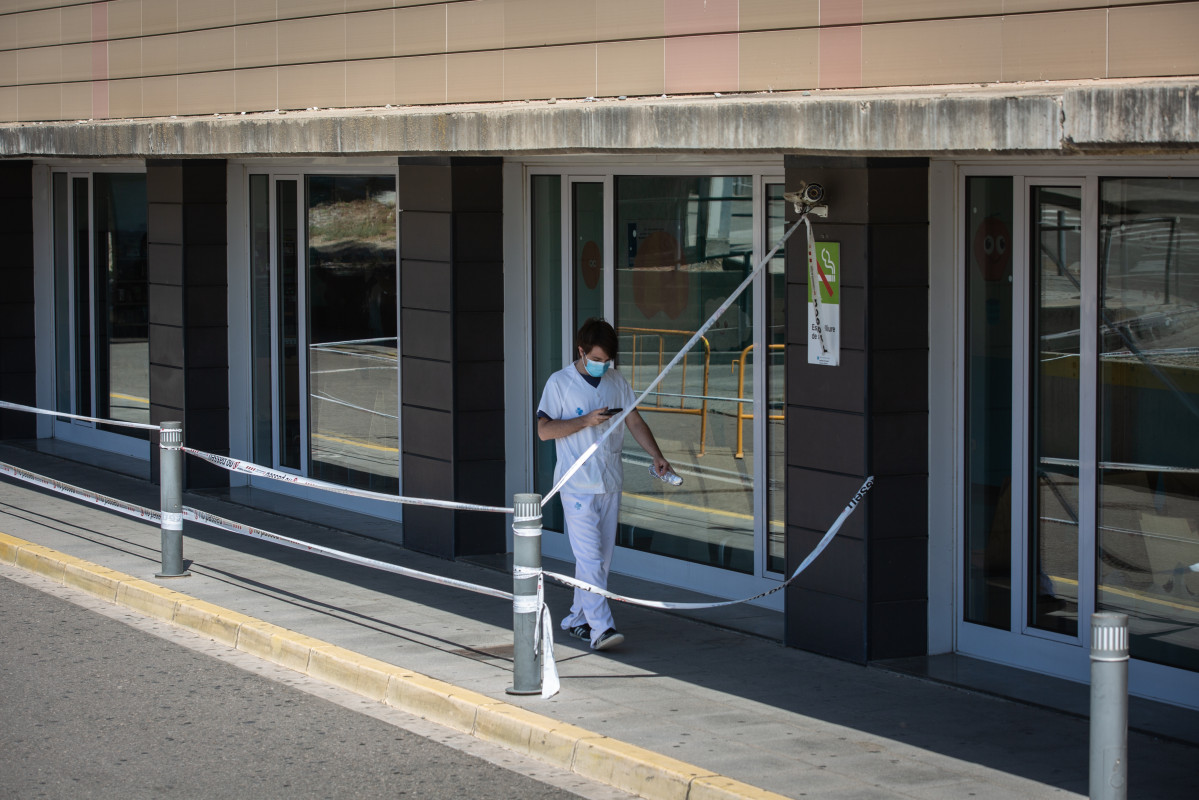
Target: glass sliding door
column 324, row 322
column 101, row 305
column 549, row 342
column 775, row 276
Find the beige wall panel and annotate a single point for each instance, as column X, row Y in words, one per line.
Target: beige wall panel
column 370, row 35
column 900, row 10
column 779, row 60
column 125, row 59
column 124, row 18
column 366, row 5
column 207, row 93
column 544, row 72
column 912, row 54
column 537, row 22
column 256, row 45
column 124, row 99
column 255, row 11
column 755, row 14
column 8, row 35
column 75, row 24
column 631, row 68
column 1021, row 6
column 629, row 19
column 207, row 50
column 370, row 83
column 1161, row 40
column 320, row 85
column 8, row 66
column 193, row 15
column 257, row 89
column 421, row 80
column 77, row 100
column 474, row 77
column 1039, row 47
column 322, row 39
column 40, row 65
column 160, row 16
column 39, row 102
column 160, row 96
column 294, row 9
column 76, row 62
column 420, row 31
column 477, row 25
column 160, row 56
column 8, row 104
column 35, row 28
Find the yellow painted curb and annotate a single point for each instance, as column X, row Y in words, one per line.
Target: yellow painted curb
column 625, row 766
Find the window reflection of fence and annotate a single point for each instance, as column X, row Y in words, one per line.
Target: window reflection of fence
column 742, row 414
column 639, row 336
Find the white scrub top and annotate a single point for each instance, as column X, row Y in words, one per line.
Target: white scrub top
column 568, row 394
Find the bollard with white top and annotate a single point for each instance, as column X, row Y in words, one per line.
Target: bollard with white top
column 526, row 599
column 170, row 473
column 1109, row 706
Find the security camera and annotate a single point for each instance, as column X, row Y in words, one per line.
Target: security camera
column 808, row 194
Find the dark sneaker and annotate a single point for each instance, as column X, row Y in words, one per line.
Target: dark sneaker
column 608, row 639
column 581, row 632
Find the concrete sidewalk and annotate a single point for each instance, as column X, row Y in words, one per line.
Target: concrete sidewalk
column 684, row 709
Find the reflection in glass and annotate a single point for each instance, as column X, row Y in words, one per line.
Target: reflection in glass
column 1054, row 258
column 288, row 323
column 776, row 297
column 62, row 294
column 260, row 317
column 588, row 237
column 988, row 257
column 122, row 299
column 683, row 244
column 546, row 259
column 353, row 379
column 81, row 250
column 1149, row 414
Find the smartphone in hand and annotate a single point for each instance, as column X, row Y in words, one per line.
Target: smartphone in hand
column 612, row 412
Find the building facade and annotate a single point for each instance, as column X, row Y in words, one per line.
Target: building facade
column 351, row 239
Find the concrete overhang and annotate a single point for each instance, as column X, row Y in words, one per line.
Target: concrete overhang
column 1037, row 119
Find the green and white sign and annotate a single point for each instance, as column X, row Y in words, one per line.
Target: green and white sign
column 824, row 303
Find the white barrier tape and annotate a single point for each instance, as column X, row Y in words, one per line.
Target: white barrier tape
column 828, row 537
column 619, row 418
column 543, row 643
column 212, row 520
column 86, row 495
column 101, row 420
column 172, row 521
column 525, row 604
column 525, row 572
column 248, row 468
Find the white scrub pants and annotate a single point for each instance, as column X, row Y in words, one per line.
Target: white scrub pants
column 591, row 526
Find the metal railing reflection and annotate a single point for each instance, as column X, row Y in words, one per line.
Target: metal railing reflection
column 742, row 414
column 638, row 334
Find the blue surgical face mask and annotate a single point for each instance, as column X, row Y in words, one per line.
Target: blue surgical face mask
column 596, row 369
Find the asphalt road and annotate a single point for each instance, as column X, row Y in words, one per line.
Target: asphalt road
column 93, row 707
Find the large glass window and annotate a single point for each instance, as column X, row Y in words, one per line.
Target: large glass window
column 324, row 316
column 546, row 260
column 1148, row 504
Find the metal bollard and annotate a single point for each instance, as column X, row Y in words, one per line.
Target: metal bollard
column 1109, row 706
column 170, row 473
column 526, row 610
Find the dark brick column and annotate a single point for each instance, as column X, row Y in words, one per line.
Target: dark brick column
column 188, row 271
column 866, row 597
column 17, row 334
column 452, row 351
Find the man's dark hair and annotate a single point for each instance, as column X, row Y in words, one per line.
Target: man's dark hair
column 597, row 331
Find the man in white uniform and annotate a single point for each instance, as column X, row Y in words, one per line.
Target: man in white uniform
column 578, row 401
